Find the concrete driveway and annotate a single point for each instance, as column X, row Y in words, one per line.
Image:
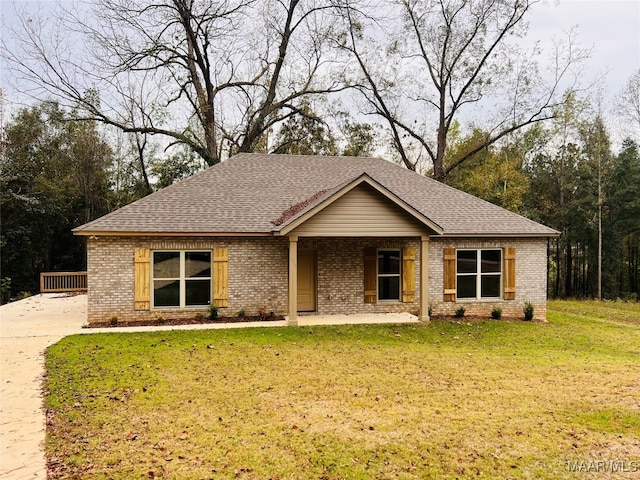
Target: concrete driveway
column 29, row 326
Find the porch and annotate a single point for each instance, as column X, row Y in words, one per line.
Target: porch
column 341, row 279
column 310, row 319
column 387, row 230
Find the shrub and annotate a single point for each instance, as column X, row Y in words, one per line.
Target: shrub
column 5, row 290
column 460, row 312
column 241, row 313
column 199, row 316
column 528, row 311
column 22, row 295
column 496, row 313
column 213, row 312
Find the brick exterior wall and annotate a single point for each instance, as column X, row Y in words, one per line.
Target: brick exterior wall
column 531, row 277
column 258, row 275
column 341, row 275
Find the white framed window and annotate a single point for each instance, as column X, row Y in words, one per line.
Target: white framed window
column 389, row 285
column 181, row 278
column 478, row 273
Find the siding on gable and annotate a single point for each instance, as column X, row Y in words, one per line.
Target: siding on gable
column 362, row 212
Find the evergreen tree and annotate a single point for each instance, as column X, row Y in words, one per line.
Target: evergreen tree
column 623, row 199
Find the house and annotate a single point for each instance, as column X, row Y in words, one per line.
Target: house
column 332, row 235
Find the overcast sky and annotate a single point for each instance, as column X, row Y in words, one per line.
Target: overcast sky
column 611, row 27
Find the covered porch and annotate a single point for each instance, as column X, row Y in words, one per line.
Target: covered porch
column 357, row 249
column 344, row 279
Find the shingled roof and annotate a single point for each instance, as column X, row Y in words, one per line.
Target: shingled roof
column 260, row 194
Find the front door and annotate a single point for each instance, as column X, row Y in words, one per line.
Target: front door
column 306, row 281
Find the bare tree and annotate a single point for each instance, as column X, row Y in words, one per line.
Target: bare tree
column 629, row 103
column 214, row 75
column 444, row 58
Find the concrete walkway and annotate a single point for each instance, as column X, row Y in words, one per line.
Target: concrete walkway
column 29, row 326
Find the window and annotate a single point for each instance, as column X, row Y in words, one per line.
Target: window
column 389, row 274
column 478, row 274
column 181, row 279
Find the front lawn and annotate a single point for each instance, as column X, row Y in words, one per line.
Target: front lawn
column 445, row 400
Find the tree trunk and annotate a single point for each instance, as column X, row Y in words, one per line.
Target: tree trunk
column 633, row 263
column 568, row 287
column 558, row 267
column 599, row 223
column 599, row 250
column 439, row 170
column 256, row 128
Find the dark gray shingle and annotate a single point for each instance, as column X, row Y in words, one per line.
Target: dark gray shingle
column 249, row 192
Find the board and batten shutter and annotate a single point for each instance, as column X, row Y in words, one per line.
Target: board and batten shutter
column 142, row 279
column 449, row 273
column 370, row 275
column 221, row 277
column 408, row 274
column 509, row 273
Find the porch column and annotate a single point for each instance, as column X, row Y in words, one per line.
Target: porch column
column 293, row 281
column 424, row 278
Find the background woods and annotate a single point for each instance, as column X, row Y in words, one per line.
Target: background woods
column 164, row 88
column 55, row 175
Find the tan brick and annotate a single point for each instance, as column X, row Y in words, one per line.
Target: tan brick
column 258, row 275
column 531, row 277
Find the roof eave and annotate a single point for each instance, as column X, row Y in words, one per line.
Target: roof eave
column 501, row 235
column 133, row 233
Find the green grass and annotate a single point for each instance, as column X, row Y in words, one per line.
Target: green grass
column 445, row 400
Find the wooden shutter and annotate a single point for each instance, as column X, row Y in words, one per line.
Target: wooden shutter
column 449, row 274
column 509, row 273
column 142, row 279
column 370, row 275
column 408, row 274
column 221, row 277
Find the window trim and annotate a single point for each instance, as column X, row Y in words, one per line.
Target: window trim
column 182, row 279
column 478, row 274
column 389, row 275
